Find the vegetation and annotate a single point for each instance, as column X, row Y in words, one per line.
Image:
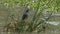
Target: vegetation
column 36, row 22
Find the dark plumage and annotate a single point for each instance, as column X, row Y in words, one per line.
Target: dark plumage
column 27, row 10
column 25, row 15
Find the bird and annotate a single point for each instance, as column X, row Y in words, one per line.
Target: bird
column 25, row 15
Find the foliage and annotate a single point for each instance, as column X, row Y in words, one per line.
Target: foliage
column 36, row 5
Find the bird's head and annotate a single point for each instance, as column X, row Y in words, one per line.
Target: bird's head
column 27, row 10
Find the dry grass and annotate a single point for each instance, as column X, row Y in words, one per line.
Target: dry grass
column 11, row 22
